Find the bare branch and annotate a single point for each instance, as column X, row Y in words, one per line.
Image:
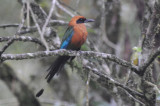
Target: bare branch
column 12, row 40
column 22, row 38
column 46, row 23
column 31, row 29
column 6, row 46
column 75, row 53
column 102, row 77
column 64, row 9
column 20, row 90
column 9, row 25
column 151, row 58
column 61, row 52
column 38, row 27
column 65, row 5
column 52, row 22
column 58, row 22
column 103, row 32
column 42, row 28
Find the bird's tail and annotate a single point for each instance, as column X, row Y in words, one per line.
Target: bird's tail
column 56, row 66
column 53, row 69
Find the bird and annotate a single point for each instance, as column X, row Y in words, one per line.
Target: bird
column 73, row 39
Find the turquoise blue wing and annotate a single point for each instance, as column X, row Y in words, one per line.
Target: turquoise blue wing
column 67, row 38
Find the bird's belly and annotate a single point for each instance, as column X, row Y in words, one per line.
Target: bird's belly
column 79, row 36
column 78, row 40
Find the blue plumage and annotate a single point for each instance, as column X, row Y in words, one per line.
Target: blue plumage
column 66, row 42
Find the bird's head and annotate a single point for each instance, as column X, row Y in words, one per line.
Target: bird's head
column 79, row 20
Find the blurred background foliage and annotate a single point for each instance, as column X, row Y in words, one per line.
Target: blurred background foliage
column 122, row 29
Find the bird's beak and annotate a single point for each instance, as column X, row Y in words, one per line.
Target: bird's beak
column 89, row 20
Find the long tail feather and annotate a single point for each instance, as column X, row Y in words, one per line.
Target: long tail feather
column 56, row 66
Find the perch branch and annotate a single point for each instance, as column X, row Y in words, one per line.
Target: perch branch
column 138, row 70
column 60, row 52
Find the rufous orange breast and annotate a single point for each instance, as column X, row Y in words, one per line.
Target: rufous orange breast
column 80, row 35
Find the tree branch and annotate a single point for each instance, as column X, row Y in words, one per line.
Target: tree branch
column 58, row 22
column 61, row 52
column 9, row 25
column 103, row 79
column 22, row 38
column 138, row 70
column 20, row 90
column 64, row 9
column 31, row 29
column 12, row 40
column 52, row 22
column 151, row 58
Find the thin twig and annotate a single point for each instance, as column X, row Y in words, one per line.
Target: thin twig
column 58, row 22
column 12, row 40
column 6, row 46
column 31, row 29
column 65, row 5
column 135, row 98
column 38, row 27
column 9, row 42
column 52, row 22
column 64, row 9
column 9, row 25
column 46, row 23
column 22, row 22
column 22, row 38
column 28, row 14
column 103, row 29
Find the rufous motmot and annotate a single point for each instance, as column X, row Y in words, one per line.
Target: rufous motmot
column 73, row 39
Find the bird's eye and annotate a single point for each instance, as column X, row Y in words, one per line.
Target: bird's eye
column 80, row 20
